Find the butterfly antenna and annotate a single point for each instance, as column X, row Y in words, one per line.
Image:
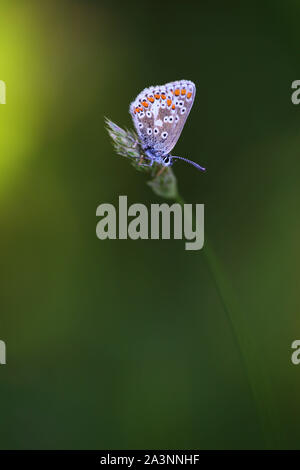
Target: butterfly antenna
column 190, row 161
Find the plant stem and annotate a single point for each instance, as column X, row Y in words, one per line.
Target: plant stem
column 233, row 314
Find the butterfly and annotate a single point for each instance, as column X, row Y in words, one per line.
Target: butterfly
column 159, row 114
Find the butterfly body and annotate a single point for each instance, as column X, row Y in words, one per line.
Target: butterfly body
column 159, row 114
column 165, row 160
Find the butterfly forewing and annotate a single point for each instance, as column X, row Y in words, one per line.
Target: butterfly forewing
column 159, row 114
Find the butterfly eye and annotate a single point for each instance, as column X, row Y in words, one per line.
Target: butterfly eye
column 183, row 110
column 171, row 119
column 163, row 104
column 167, row 161
column 141, row 114
column 176, row 118
column 180, row 103
column 148, row 114
column 155, row 130
column 140, row 125
column 164, row 135
column 166, row 119
column 149, row 131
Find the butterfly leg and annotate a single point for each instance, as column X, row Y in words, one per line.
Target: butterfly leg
column 146, row 164
column 140, row 163
column 151, row 162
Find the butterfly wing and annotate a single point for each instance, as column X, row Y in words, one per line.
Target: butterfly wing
column 159, row 114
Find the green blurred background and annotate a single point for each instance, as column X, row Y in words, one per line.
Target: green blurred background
column 140, row 344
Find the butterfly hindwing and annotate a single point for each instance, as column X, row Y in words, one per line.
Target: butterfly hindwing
column 159, row 114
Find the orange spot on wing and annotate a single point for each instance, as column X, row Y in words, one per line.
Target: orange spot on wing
column 189, row 95
column 177, row 92
column 151, row 99
column 183, row 91
column 137, row 110
column 173, row 107
column 163, row 96
column 145, row 104
column 157, row 96
column 169, row 102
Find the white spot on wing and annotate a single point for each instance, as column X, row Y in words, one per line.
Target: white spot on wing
column 158, row 122
column 155, row 108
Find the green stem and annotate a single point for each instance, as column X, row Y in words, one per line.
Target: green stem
column 234, row 318
column 165, row 185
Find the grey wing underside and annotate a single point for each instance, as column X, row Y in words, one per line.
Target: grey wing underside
column 157, row 121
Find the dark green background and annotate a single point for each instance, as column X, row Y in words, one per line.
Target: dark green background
column 140, row 344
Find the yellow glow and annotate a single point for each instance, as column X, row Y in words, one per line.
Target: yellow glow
column 20, row 117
